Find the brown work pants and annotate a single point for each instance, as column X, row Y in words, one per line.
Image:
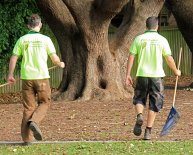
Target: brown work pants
column 36, row 96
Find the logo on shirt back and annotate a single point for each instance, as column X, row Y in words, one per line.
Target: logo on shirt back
column 32, row 44
column 145, row 42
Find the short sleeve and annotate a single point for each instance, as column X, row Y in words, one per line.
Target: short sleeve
column 133, row 48
column 166, row 48
column 17, row 50
column 50, row 47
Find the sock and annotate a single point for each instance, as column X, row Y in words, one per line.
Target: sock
column 139, row 114
column 149, row 128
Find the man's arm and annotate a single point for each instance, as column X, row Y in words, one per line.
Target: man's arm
column 12, row 64
column 129, row 80
column 56, row 60
column 170, row 62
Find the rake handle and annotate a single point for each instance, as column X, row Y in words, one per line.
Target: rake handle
column 176, row 84
column 5, row 84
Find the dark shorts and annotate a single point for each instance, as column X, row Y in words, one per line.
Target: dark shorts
column 149, row 86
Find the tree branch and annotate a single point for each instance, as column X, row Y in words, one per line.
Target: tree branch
column 110, row 7
column 51, row 11
column 79, row 10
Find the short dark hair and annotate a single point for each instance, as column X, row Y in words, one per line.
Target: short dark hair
column 34, row 20
column 152, row 22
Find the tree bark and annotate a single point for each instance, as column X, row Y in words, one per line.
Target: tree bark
column 95, row 64
column 72, row 47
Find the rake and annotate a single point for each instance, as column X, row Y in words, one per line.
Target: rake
column 174, row 115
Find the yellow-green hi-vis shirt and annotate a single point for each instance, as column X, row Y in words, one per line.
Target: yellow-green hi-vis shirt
column 34, row 49
column 150, row 47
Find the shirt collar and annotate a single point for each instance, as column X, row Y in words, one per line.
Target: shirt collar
column 150, row 31
column 32, row 32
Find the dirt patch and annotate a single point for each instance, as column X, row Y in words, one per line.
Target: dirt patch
column 96, row 120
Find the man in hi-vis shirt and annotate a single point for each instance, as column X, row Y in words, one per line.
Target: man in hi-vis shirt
column 34, row 49
column 150, row 48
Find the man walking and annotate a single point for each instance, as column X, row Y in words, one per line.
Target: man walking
column 149, row 47
column 34, row 49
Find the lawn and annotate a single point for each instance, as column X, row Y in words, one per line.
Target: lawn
column 102, row 148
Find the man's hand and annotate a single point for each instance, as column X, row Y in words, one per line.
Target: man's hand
column 178, row 72
column 56, row 60
column 129, row 80
column 62, row 64
column 11, row 79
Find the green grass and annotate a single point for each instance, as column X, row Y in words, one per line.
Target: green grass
column 96, row 148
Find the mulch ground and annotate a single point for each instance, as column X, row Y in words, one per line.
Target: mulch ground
column 96, row 120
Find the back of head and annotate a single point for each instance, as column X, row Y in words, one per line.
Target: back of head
column 152, row 22
column 34, row 20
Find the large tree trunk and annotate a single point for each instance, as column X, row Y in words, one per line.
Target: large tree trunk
column 183, row 13
column 95, row 64
column 72, row 47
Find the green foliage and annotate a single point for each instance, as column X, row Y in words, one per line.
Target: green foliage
column 13, row 20
column 13, row 17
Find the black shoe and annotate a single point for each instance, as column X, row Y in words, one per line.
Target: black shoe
column 36, row 131
column 137, row 128
column 26, row 143
column 147, row 134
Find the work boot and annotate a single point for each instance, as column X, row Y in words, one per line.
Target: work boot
column 139, row 122
column 26, row 143
column 147, row 134
column 36, row 131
